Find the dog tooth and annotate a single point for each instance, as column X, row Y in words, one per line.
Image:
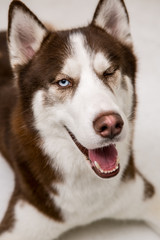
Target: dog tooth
column 102, row 171
column 97, row 165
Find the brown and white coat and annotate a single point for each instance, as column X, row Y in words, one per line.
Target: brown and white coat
column 66, row 84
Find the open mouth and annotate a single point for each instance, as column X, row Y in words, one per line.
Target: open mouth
column 104, row 161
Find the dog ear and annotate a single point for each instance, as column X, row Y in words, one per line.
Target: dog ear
column 112, row 16
column 25, row 33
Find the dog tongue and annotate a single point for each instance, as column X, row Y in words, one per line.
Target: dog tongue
column 106, row 157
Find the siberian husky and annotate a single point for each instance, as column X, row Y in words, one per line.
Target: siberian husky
column 66, row 125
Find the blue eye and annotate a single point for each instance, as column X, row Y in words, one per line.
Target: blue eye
column 64, row 83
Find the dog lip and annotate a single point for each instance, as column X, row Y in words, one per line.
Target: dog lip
column 108, row 174
column 80, row 147
column 95, row 169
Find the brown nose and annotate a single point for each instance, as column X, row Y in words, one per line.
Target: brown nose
column 108, row 125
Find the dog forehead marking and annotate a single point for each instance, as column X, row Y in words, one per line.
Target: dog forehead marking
column 79, row 57
column 83, row 57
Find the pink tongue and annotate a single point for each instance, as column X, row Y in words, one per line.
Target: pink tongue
column 106, row 157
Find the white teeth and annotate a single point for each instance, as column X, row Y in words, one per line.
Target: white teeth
column 118, row 161
column 97, row 166
column 102, row 171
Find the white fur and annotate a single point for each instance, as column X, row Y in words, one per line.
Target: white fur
column 124, row 96
column 35, row 225
column 6, row 178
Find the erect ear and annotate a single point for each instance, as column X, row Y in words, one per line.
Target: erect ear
column 112, row 16
column 25, row 33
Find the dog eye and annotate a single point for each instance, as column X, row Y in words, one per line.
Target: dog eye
column 64, row 83
column 110, row 71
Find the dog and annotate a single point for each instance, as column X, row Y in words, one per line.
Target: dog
column 67, row 115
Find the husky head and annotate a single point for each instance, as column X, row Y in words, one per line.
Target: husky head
column 77, row 87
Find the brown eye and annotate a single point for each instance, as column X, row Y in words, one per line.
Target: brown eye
column 110, row 71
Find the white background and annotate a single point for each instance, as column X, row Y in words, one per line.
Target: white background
column 145, row 27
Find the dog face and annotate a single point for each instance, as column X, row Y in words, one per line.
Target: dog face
column 76, row 87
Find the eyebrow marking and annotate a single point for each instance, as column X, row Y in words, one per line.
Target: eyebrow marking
column 72, row 68
column 101, row 63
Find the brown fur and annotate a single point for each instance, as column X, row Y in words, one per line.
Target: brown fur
column 5, row 68
column 130, row 171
